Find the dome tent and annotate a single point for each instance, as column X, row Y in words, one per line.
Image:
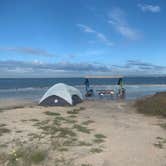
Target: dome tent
column 61, row 95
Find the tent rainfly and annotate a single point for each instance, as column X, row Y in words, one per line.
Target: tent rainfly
column 61, row 95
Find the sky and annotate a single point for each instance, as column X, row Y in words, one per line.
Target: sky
column 74, row 38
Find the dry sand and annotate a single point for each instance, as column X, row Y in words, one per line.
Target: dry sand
column 130, row 137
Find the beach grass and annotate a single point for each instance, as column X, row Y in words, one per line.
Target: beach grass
column 33, row 120
column 82, row 129
column 159, row 144
column 100, row 136
column 163, row 125
column 87, row 122
column 96, row 150
column 2, row 125
column 72, row 116
column 60, row 134
column 38, row 156
column 23, row 156
column 98, row 141
column 152, row 105
column 4, row 130
column 74, row 111
column 83, row 143
column 49, row 113
column 64, row 162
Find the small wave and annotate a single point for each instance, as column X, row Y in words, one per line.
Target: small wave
column 23, row 89
column 82, row 86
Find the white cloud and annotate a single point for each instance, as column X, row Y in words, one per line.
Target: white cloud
column 117, row 18
column 149, row 8
column 65, row 69
column 86, row 28
column 28, row 50
column 99, row 35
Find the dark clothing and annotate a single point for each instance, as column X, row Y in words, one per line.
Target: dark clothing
column 120, row 83
column 86, row 84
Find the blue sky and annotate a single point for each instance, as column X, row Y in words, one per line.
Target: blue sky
column 54, row 38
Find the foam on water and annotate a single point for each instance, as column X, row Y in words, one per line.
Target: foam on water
column 34, row 88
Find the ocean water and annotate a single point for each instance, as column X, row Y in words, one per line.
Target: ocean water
column 33, row 88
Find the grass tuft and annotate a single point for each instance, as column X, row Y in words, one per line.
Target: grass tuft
column 82, row 129
column 87, row 122
column 38, row 156
column 159, row 145
column 49, row 113
column 74, row 111
column 153, row 105
column 99, row 140
column 100, row 136
column 4, row 130
column 96, row 150
column 83, row 143
column 2, row 125
column 163, row 125
column 33, row 120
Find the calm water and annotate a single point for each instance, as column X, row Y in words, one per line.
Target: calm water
column 34, row 88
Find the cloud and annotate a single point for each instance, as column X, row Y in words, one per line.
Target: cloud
column 99, row 35
column 139, row 68
column 27, row 50
column 65, row 69
column 117, row 18
column 149, row 8
column 40, row 69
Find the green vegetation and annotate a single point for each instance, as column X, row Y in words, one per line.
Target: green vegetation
column 23, row 156
column 160, row 142
column 87, row 122
column 163, row 125
column 3, row 145
column 82, row 129
column 83, row 143
column 38, row 156
column 96, row 150
column 61, row 134
column 159, row 145
column 34, row 120
column 19, row 131
column 99, row 141
column 4, row 130
column 74, row 111
column 34, row 136
column 2, row 125
column 82, row 108
column 72, row 116
column 64, row 132
column 100, row 136
column 52, row 113
column 3, row 158
column 153, row 105
column 64, row 162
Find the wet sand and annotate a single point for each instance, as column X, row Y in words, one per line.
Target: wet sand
column 107, row 133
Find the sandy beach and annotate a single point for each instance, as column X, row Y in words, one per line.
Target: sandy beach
column 93, row 133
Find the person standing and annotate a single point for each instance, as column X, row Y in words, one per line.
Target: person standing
column 121, row 92
column 86, row 84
